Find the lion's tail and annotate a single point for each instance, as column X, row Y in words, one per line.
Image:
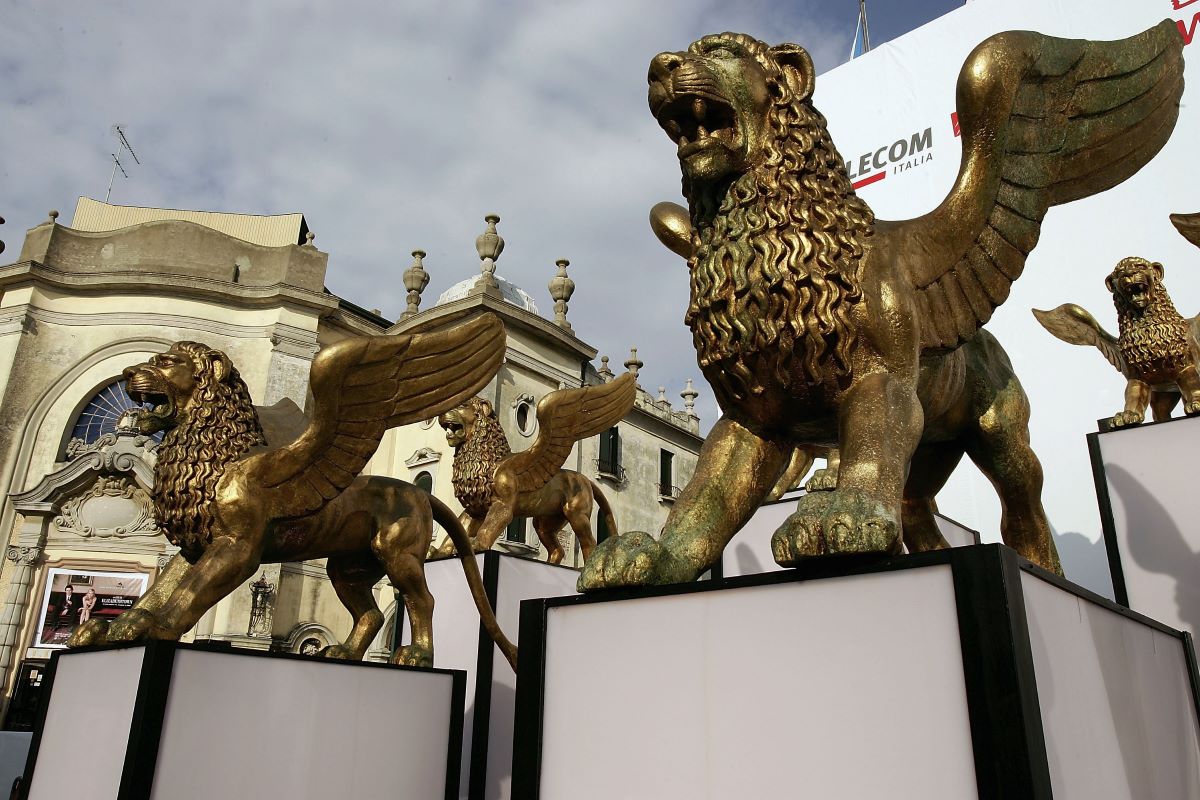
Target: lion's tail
column 610, row 521
column 466, row 554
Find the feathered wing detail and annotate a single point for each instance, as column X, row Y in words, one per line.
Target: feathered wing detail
column 1074, row 325
column 365, row 385
column 1189, row 226
column 1044, row 121
column 564, row 417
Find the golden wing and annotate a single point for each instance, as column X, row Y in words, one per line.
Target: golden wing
column 1044, row 121
column 365, row 385
column 1074, row 325
column 1189, row 226
column 564, row 417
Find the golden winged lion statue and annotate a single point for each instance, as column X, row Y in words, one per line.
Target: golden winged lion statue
column 816, row 323
column 494, row 485
column 232, row 500
column 1155, row 347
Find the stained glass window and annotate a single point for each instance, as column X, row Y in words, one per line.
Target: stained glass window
column 101, row 413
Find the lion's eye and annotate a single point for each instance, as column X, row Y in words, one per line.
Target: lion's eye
column 721, row 52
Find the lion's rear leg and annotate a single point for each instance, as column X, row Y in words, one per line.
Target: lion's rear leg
column 999, row 446
column 547, row 529
column 1162, row 404
column 1189, row 386
column 401, row 548
column 354, row 577
column 930, row 469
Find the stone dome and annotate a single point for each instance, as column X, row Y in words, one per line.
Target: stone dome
column 508, row 290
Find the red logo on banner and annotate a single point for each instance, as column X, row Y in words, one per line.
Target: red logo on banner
column 1178, row 4
column 954, row 122
column 878, row 176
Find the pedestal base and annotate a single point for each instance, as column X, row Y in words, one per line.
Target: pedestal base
column 459, row 642
column 965, row 673
column 180, row 722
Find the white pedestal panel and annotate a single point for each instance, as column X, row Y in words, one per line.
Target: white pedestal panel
column 1150, row 511
column 459, row 642
column 177, row 722
column 965, row 673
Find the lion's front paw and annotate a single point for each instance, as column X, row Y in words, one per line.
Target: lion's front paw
column 632, row 559
column 338, row 651
column 823, row 480
column 1127, row 418
column 837, row 522
column 1192, row 408
column 412, row 656
column 94, row 631
column 134, row 625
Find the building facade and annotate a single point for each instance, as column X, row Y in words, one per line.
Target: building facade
column 120, row 284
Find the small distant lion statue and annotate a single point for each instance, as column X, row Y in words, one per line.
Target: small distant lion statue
column 1155, row 347
column 494, row 486
column 818, row 324
column 231, row 500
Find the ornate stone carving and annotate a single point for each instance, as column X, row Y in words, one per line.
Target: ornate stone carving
column 114, row 507
column 24, row 556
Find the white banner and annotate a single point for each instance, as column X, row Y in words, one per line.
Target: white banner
column 891, row 115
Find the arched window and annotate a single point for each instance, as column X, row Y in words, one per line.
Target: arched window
column 424, row 480
column 100, row 414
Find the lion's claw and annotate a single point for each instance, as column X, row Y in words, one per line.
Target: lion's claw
column 134, row 625
column 1192, row 408
column 338, row 651
column 413, row 656
column 92, row 632
column 823, row 480
column 1127, row 418
column 632, row 559
column 829, row 523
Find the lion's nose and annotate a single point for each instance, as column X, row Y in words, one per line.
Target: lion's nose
column 662, row 65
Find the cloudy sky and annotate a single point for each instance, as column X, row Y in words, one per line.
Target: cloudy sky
column 393, row 127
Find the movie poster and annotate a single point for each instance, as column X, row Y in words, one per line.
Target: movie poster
column 73, row 596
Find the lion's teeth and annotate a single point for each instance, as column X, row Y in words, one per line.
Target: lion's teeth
column 683, row 140
column 699, row 108
column 701, row 133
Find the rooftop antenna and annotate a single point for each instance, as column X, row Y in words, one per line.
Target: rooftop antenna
column 123, row 144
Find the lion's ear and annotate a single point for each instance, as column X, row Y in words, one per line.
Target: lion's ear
column 1158, row 269
column 798, row 68
column 485, row 407
column 221, row 366
column 1108, row 283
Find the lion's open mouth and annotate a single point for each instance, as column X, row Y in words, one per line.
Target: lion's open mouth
column 157, row 404
column 696, row 121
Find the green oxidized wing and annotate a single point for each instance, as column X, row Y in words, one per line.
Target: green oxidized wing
column 1044, row 121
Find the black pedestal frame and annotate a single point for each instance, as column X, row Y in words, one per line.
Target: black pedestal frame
column 150, row 706
column 1008, row 741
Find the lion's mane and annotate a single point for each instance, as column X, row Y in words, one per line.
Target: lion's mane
column 476, row 458
column 778, row 253
column 1155, row 337
column 220, row 428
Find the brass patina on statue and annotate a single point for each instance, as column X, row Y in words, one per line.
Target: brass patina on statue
column 815, row 323
column 230, row 500
column 494, row 485
column 1155, row 346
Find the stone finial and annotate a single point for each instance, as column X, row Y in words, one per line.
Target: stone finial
column 689, row 395
column 634, row 363
column 415, row 281
column 489, row 245
column 604, row 372
column 561, row 289
column 308, row 239
column 662, row 396
column 53, row 216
